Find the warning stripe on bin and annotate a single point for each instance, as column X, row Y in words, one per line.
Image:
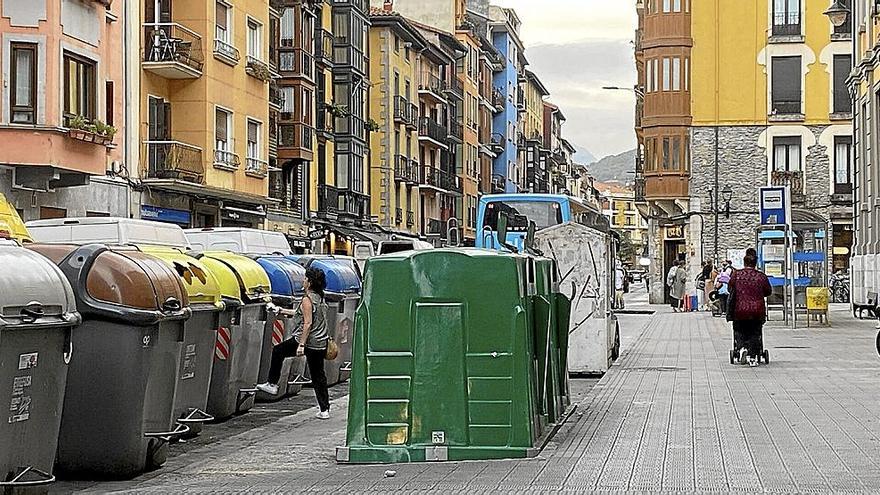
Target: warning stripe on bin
column 221, row 349
column 277, row 332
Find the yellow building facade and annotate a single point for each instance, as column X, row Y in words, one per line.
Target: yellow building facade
column 395, row 48
column 468, row 152
column 770, row 106
column 204, row 115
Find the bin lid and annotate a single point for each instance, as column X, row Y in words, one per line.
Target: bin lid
column 242, row 275
column 341, row 274
column 36, row 284
column 285, row 275
column 199, row 282
column 124, row 276
column 10, row 222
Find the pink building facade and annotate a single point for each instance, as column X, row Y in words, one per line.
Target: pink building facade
column 62, row 107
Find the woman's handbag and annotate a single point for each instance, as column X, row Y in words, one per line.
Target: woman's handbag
column 332, row 350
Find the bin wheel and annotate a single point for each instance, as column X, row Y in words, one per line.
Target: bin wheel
column 878, row 342
column 615, row 350
column 732, row 356
column 766, row 356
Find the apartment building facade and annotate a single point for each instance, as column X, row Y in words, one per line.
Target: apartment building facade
column 396, row 48
column 737, row 97
column 204, row 118
column 62, row 111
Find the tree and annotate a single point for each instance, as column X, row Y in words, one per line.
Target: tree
column 627, row 251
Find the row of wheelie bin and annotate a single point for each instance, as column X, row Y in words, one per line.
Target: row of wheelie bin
column 147, row 344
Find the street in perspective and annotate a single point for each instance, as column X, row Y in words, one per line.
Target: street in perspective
column 452, row 246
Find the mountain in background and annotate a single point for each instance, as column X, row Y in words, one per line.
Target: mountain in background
column 614, row 168
column 582, row 155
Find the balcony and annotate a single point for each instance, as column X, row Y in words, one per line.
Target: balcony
column 254, row 167
column 398, row 216
column 401, row 110
column 276, row 97
column 296, row 63
column 455, row 88
column 499, row 183
column 432, row 87
column 413, row 122
column 172, row 51
column 456, row 130
column 350, row 125
column 295, row 141
column 324, row 125
column 431, row 131
column 499, row 100
column 226, row 53
column 436, row 227
column 258, row 69
column 496, row 143
column 786, row 24
column 520, row 99
column 402, row 168
column 328, row 200
column 353, row 204
column 226, row 160
column 174, row 160
column 410, row 219
column 786, row 109
column 793, row 179
column 440, row 180
column 347, row 56
column 323, row 47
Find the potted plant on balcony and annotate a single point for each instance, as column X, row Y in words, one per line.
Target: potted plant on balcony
column 372, row 125
column 335, row 109
column 82, row 130
column 258, row 70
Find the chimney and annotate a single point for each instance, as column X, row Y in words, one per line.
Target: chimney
column 388, row 6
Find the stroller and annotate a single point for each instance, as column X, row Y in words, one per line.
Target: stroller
column 738, row 343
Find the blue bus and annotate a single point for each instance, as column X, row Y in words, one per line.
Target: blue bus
column 546, row 210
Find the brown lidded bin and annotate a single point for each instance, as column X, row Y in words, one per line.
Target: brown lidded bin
column 117, row 418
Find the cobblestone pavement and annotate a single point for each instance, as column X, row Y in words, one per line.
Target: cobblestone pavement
column 671, row 415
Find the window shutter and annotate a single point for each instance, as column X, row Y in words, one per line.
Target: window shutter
column 787, row 82
column 221, row 123
column 221, row 16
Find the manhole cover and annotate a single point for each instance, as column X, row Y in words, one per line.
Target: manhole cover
column 656, row 368
column 791, row 347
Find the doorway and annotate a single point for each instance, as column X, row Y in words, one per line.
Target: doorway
column 672, row 251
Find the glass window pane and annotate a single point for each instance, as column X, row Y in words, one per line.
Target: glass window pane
column 794, row 157
column 24, row 61
column 676, row 74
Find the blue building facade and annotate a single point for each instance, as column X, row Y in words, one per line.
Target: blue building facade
column 503, row 29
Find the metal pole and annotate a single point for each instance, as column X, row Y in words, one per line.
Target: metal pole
column 715, row 194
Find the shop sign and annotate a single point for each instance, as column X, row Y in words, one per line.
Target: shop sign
column 675, row 232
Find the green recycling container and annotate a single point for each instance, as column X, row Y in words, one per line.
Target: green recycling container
column 444, row 369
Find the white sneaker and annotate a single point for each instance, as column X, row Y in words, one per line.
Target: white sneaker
column 269, row 388
column 753, row 363
column 323, row 415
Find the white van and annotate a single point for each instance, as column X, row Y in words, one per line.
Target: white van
column 107, row 230
column 238, row 240
column 397, row 245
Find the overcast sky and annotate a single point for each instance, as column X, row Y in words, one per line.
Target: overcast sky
column 576, row 47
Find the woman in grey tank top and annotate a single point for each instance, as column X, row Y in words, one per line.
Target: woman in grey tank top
column 309, row 339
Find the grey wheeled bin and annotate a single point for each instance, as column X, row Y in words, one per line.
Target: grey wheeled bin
column 199, row 335
column 244, row 286
column 286, row 279
column 117, row 418
column 37, row 317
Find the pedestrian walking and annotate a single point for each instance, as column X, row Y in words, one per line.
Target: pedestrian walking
column 705, row 281
column 747, row 310
column 309, row 339
column 677, row 289
column 620, row 285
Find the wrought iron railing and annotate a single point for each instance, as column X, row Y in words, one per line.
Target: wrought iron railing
column 328, row 199
column 429, row 81
column 256, row 167
column 225, row 49
column 174, row 160
column 226, row 160
column 433, row 130
column 172, row 42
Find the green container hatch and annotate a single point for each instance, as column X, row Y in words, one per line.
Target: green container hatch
column 444, row 369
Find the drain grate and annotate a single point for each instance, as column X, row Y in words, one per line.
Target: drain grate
column 791, row 347
column 634, row 311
